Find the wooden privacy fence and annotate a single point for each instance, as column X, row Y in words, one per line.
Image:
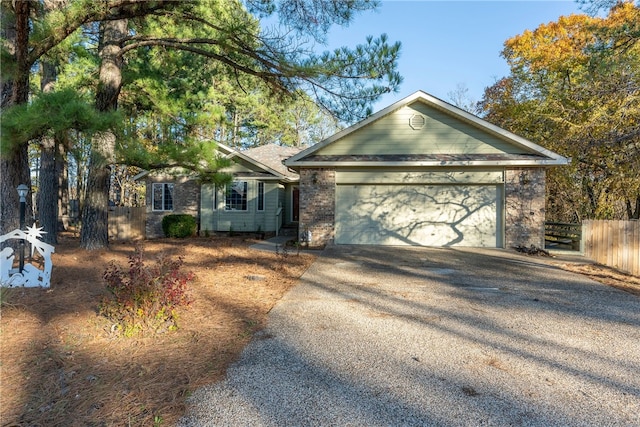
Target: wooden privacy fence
column 613, row 243
column 126, row 223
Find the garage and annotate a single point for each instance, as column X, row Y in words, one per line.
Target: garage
column 447, row 208
column 426, row 215
column 422, row 172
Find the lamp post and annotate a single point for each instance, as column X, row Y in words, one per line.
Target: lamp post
column 22, row 192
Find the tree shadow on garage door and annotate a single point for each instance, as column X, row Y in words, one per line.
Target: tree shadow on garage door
column 425, row 215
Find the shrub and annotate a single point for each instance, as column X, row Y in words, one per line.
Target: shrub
column 145, row 297
column 179, row 225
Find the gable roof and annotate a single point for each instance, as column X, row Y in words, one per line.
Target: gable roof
column 526, row 153
column 261, row 162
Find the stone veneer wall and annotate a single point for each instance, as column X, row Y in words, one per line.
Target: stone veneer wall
column 524, row 190
column 186, row 200
column 317, row 204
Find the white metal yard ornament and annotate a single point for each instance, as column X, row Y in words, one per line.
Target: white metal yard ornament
column 30, row 276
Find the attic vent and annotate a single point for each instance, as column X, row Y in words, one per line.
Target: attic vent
column 417, row 121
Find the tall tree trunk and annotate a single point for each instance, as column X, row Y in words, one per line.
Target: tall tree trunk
column 48, row 186
column 8, row 33
column 14, row 161
column 95, row 230
column 48, row 190
column 631, row 212
column 63, row 188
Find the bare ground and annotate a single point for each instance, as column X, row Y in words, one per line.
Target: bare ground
column 61, row 365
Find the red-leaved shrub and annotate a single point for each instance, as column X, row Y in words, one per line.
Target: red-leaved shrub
column 145, row 298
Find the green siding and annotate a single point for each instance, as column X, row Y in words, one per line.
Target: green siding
column 206, row 208
column 271, row 191
column 286, row 200
column 238, row 168
column 441, row 134
column 250, row 220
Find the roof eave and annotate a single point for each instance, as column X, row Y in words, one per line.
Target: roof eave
column 439, row 104
column 433, row 163
column 140, row 175
column 266, row 178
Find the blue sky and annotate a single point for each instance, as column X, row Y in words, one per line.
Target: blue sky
column 447, row 43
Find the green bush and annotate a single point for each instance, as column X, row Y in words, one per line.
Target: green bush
column 145, row 298
column 179, row 225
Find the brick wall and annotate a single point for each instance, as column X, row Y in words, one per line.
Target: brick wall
column 186, row 200
column 317, row 204
column 524, row 190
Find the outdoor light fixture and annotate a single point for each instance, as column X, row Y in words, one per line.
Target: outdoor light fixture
column 23, row 190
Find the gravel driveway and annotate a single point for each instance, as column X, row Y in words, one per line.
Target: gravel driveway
column 391, row 336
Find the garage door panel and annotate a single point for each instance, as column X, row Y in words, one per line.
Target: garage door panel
column 430, row 215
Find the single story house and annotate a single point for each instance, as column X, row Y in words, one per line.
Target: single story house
column 423, row 172
column 262, row 197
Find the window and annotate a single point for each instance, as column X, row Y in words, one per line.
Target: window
column 261, row 196
column 236, row 196
column 162, row 197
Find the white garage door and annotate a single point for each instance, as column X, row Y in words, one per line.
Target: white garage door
column 426, row 215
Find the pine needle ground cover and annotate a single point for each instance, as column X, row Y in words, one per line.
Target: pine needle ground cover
column 63, row 363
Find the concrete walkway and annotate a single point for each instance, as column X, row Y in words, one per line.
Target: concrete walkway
column 272, row 244
column 276, row 243
column 380, row 336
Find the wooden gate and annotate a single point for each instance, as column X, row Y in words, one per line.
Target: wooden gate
column 126, row 223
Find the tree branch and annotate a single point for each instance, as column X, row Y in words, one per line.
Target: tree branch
column 271, row 78
column 111, row 10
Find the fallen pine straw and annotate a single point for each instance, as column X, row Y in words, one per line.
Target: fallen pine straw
column 62, row 365
column 606, row 275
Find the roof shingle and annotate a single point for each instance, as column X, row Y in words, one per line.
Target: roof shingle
column 273, row 156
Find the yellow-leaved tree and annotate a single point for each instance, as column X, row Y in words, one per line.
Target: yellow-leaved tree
column 574, row 87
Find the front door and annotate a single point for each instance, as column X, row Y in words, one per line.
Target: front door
column 295, row 204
